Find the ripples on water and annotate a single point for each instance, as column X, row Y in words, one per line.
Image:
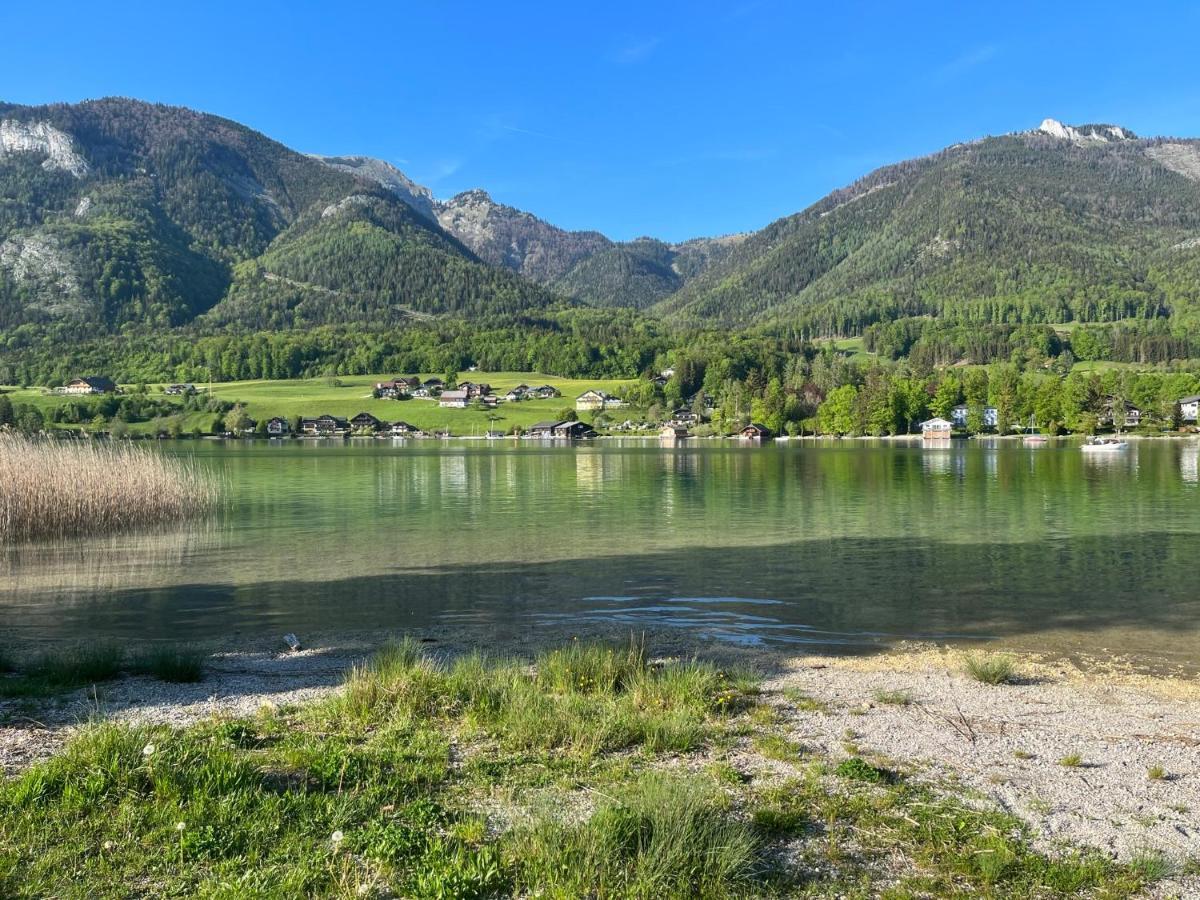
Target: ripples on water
column 844, row 543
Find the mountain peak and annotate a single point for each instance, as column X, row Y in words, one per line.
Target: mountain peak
column 1081, row 134
column 384, row 173
column 474, row 195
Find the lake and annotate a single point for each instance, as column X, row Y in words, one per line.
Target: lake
column 848, row 545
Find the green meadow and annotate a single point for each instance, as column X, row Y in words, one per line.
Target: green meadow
column 349, row 395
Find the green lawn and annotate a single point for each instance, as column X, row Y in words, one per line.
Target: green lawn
column 349, row 395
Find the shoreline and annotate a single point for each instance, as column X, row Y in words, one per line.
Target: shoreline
column 912, row 709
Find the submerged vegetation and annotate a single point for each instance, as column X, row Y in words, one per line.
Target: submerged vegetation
column 59, row 489
column 592, row 772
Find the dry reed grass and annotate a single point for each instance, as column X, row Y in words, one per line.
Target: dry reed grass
column 54, row 489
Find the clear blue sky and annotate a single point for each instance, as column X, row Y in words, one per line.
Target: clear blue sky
column 670, row 119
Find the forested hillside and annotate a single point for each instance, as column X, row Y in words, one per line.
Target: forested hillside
column 117, row 213
column 1016, row 229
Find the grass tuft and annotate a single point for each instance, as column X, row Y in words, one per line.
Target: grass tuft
column 75, row 666
column 662, row 836
column 1156, row 773
column 893, row 698
column 1071, row 761
column 858, row 769
column 990, row 668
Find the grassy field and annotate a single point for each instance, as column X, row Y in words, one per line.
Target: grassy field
column 349, row 395
column 590, row 773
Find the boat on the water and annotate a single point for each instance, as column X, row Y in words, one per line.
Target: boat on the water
column 1104, row 445
column 1035, row 440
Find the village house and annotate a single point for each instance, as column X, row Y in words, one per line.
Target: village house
column 493, row 435
column 673, row 433
column 324, row 426
column 402, row 429
column 431, row 387
column 755, row 432
column 937, row 429
column 278, row 427
column 1189, row 407
column 397, row 388
column 364, row 421
column 683, row 417
column 453, row 399
column 545, row 392
column 442, row 433
column 1111, row 416
column 959, row 414
column 593, row 400
column 90, row 384
column 475, row 391
column 517, row 394
column 176, row 390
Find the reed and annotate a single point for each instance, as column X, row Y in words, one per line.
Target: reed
column 54, row 489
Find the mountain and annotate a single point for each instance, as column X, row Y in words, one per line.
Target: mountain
column 639, row 273
column 1061, row 223
column 116, row 212
column 583, row 265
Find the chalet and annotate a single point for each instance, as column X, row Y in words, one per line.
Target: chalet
column 958, row 416
column 324, row 426
column 90, row 384
column 402, row 429
column 592, row 399
column 683, row 417
column 1111, row 415
column 442, row 433
column 517, row 394
column 545, row 392
column 429, row 388
column 542, row 430
column 491, row 401
column 475, row 391
column 278, row 427
column 364, row 421
column 937, row 429
column 1189, row 407
column 397, row 388
column 453, row 399
column 492, row 435
column 673, row 433
column 659, row 380
column 176, row 390
column 755, row 432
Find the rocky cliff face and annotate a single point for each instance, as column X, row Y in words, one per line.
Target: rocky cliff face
column 415, row 195
column 517, row 240
column 41, row 137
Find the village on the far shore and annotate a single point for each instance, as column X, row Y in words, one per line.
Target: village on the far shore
column 607, row 413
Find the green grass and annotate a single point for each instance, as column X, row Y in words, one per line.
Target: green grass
column 579, row 773
column 175, row 663
column 892, row 698
column 990, row 668
column 1071, row 761
column 63, row 669
column 1156, row 773
column 81, row 665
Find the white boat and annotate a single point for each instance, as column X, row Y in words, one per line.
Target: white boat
column 1104, row 445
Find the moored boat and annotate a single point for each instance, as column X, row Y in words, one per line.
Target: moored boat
column 1104, row 445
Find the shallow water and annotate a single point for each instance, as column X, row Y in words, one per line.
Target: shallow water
column 844, row 544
